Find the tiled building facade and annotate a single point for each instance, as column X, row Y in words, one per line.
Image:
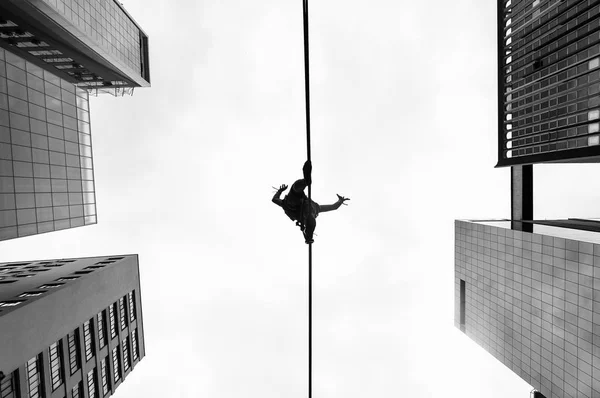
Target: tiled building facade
column 93, row 337
column 46, row 169
column 533, row 301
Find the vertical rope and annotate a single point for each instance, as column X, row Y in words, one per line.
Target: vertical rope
column 307, row 92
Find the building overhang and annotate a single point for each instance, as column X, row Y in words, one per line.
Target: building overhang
column 48, row 26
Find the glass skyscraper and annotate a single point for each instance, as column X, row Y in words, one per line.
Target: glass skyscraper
column 91, row 43
column 53, row 53
column 549, row 81
column 46, row 169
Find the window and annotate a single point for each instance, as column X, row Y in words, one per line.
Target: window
column 50, row 285
column 92, row 384
column 462, row 304
column 8, row 387
column 116, row 363
column 126, row 360
column 74, row 361
column 11, row 303
column 105, row 374
column 102, row 328
column 134, row 345
column 64, row 59
column 88, row 339
column 31, row 294
column 67, row 278
column 122, row 312
column 77, row 391
column 45, row 52
column 34, row 377
column 131, row 306
column 56, row 364
column 111, row 313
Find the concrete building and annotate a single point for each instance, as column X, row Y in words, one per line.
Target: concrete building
column 532, row 299
column 69, row 327
column 53, row 54
column 528, row 291
column 549, row 81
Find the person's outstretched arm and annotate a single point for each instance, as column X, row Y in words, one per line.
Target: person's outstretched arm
column 335, row 206
column 276, row 198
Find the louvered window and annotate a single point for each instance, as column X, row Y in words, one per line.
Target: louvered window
column 8, row 387
column 116, row 363
column 73, row 340
column 34, row 380
column 102, row 328
column 88, row 339
column 123, row 313
column 77, row 391
column 56, row 364
column 113, row 321
column 105, row 374
column 134, row 345
column 92, row 384
column 126, row 363
column 131, row 306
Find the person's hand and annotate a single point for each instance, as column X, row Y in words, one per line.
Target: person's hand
column 342, row 199
column 282, row 188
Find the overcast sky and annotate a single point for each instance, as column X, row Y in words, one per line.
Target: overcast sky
column 403, row 123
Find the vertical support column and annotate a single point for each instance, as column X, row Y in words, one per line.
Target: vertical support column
column 521, row 197
column 22, row 382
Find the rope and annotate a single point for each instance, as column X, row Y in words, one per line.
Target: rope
column 307, row 92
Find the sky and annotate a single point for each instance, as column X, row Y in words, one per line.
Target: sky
column 403, row 108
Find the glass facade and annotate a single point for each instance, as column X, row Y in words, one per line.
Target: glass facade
column 533, row 301
column 107, row 23
column 46, row 170
column 550, row 73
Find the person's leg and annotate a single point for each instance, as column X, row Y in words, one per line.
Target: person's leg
column 307, row 172
column 298, row 186
column 310, row 225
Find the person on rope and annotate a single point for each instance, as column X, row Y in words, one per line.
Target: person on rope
column 296, row 206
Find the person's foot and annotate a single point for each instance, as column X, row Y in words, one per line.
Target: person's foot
column 307, row 171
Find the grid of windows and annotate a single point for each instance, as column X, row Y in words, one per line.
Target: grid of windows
column 531, row 301
column 551, row 78
column 88, row 339
column 73, row 341
column 131, row 306
column 108, row 25
column 34, row 378
column 92, row 384
column 102, row 328
column 8, row 387
column 134, row 345
column 56, row 364
column 105, row 374
column 126, row 359
column 77, row 391
column 112, row 314
column 116, row 357
column 46, row 175
column 123, row 313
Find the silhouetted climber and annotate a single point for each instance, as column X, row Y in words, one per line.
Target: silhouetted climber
column 296, row 206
